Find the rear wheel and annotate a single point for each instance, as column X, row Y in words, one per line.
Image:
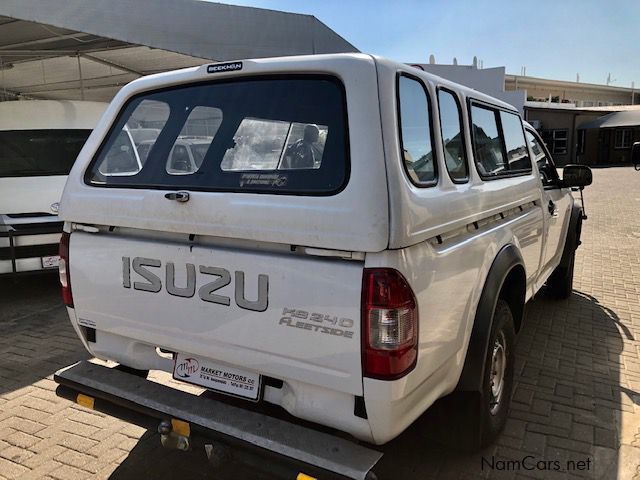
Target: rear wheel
column 560, row 283
column 472, row 420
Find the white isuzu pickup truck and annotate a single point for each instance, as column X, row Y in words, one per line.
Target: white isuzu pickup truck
column 356, row 240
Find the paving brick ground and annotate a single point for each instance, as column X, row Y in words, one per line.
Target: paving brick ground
column 576, row 398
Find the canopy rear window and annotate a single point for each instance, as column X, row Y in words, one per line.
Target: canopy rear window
column 38, row 153
column 270, row 134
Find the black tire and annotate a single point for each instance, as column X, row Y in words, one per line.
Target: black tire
column 560, row 283
column 469, row 421
column 494, row 411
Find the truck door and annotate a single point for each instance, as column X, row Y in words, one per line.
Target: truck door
column 556, row 201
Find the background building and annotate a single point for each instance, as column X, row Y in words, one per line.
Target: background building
column 487, row 80
column 567, row 114
column 575, row 93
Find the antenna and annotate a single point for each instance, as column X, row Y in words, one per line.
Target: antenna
column 475, row 62
column 432, row 59
column 455, row 61
column 577, row 78
column 481, row 64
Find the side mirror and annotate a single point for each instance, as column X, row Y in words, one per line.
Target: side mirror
column 576, row 176
column 635, row 155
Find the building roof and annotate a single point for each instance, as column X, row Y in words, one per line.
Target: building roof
column 629, row 118
column 45, row 44
column 523, row 81
column 572, row 108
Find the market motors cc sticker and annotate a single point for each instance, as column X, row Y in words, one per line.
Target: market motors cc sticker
column 187, row 367
column 263, row 179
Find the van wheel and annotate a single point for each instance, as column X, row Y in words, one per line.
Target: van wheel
column 466, row 420
column 560, row 283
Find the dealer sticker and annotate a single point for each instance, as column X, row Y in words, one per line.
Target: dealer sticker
column 51, row 261
column 217, row 377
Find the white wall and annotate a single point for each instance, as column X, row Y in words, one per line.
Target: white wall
column 485, row 80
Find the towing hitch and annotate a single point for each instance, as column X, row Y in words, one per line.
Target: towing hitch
column 175, row 434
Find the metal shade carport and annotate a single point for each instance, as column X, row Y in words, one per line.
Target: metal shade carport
column 607, row 140
column 628, row 118
column 88, row 49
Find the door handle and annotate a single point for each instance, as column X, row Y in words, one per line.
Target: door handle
column 177, row 196
column 552, row 207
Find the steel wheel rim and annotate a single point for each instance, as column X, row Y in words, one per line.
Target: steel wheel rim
column 497, row 375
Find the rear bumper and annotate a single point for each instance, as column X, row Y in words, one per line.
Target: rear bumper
column 22, row 246
column 288, row 445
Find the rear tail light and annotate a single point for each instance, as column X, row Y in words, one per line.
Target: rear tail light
column 63, row 269
column 389, row 324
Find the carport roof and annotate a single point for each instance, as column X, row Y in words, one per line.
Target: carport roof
column 88, row 49
column 629, row 118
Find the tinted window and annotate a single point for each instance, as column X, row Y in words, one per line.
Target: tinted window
column 487, row 144
column 194, row 140
column 548, row 172
column 515, row 144
column 30, row 153
column 280, row 135
column 122, row 158
column 275, row 145
column 415, row 131
column 452, row 138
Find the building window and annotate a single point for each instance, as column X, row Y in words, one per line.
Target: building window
column 556, row 140
column 623, row 138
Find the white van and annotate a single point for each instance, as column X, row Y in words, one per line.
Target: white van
column 39, row 141
column 358, row 241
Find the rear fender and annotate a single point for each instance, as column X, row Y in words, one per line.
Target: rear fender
column 507, row 260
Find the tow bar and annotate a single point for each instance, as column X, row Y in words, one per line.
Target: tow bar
column 281, row 448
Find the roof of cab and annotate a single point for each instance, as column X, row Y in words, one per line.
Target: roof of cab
column 50, row 115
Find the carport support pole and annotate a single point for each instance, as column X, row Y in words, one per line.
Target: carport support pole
column 81, row 79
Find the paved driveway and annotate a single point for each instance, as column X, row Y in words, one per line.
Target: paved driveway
column 575, row 408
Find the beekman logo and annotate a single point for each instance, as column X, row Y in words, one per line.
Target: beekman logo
column 187, row 367
column 224, row 67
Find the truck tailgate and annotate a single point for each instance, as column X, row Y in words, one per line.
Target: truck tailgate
column 295, row 317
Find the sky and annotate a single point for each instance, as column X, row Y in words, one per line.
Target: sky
column 553, row 38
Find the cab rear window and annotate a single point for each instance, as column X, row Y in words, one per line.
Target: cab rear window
column 271, row 134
